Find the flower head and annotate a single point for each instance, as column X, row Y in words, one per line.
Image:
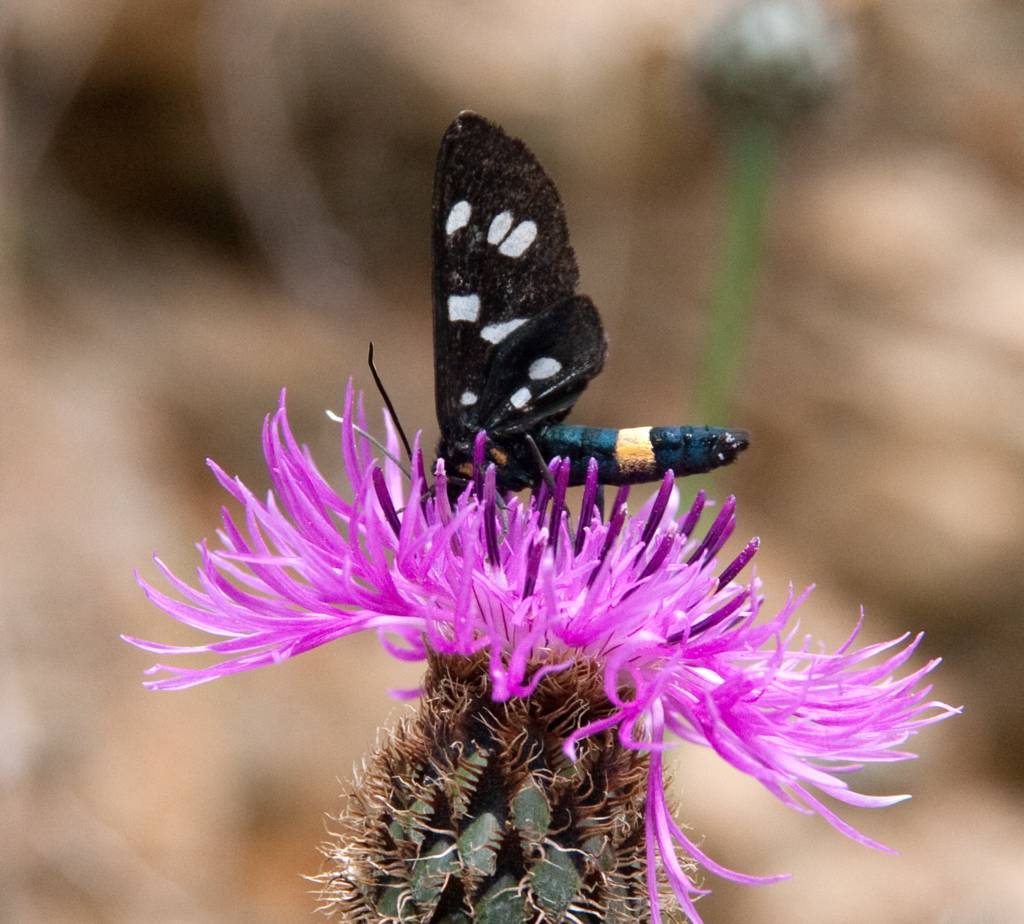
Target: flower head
column 677, row 636
column 774, row 59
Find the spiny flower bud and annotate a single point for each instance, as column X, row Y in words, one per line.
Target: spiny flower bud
column 773, row 59
column 472, row 811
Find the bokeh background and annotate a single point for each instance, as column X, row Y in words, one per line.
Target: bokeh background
column 202, row 202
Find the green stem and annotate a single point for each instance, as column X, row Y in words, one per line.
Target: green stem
column 753, row 153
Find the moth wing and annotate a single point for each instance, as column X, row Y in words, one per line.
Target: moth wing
column 536, row 375
column 501, row 260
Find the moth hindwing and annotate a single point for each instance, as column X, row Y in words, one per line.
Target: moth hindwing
column 514, row 346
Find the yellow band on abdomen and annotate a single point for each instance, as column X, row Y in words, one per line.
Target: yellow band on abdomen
column 633, row 450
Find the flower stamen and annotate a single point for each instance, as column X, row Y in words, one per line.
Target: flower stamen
column 658, row 508
column 615, row 523
column 721, row 529
column 384, row 499
column 590, row 488
column 739, row 562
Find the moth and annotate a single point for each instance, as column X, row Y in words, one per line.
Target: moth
column 514, row 344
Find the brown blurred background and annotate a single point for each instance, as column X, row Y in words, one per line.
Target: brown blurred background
column 202, row 202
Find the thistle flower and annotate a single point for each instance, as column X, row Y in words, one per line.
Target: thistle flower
column 614, row 631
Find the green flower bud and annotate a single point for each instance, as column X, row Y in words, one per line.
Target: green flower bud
column 773, row 59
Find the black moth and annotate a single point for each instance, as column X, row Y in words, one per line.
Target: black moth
column 514, row 345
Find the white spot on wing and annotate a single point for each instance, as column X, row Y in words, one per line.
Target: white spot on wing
column 544, row 368
column 495, row 333
column 500, row 225
column 468, row 398
column 464, row 307
column 516, row 244
column 458, row 217
column 520, row 398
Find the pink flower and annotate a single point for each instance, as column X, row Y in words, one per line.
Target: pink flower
column 679, row 636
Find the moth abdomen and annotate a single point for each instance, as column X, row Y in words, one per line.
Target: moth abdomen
column 641, row 454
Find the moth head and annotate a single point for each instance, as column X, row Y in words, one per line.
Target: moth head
column 511, row 460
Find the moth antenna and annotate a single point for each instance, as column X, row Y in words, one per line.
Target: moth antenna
column 376, row 442
column 387, row 401
column 542, row 466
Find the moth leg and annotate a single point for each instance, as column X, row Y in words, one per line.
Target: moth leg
column 542, row 466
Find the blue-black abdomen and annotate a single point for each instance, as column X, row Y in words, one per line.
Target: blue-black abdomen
column 641, row 454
